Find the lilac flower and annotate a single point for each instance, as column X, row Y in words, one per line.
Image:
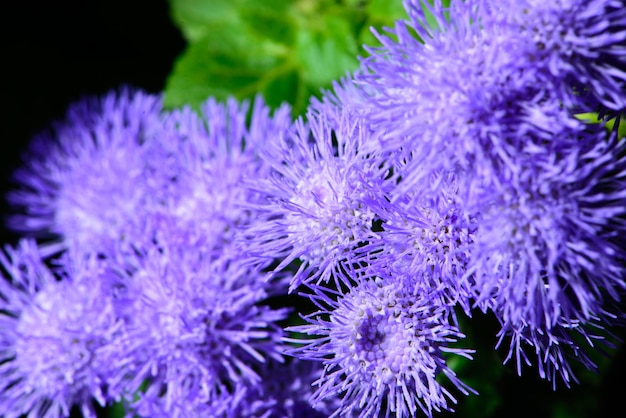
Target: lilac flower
column 285, row 392
column 212, row 156
column 382, row 350
column 548, row 255
column 427, row 241
column 156, row 407
column 554, row 247
column 61, row 342
column 344, row 97
column 89, row 178
column 458, row 99
column 203, row 327
column 441, row 100
column 579, row 44
column 556, row 348
column 317, row 210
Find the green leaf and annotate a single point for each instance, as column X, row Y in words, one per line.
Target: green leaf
column 327, row 54
column 288, row 50
column 386, row 10
column 117, row 410
column 223, row 63
column 195, row 17
column 592, row 118
column 381, row 14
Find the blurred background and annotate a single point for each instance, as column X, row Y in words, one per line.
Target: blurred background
column 55, row 52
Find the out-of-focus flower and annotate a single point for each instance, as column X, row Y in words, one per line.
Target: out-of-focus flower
column 458, row 97
column 440, row 97
column 554, row 247
column 220, row 407
column 200, row 321
column 214, row 153
column 548, row 255
column 577, row 45
column 61, row 342
column 285, row 392
column 90, row 177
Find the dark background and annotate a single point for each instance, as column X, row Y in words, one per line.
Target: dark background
column 55, row 52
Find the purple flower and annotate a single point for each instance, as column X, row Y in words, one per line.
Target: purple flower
column 200, row 321
column 212, row 156
column 441, row 100
column 285, row 392
column 554, row 246
column 545, row 191
column 344, row 97
column 318, row 196
column 557, row 347
column 548, row 254
column 459, row 98
column 427, row 241
column 89, row 178
column 382, row 349
column 180, row 407
column 61, row 342
column 578, row 44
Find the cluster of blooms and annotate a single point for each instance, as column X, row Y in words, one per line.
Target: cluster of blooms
column 449, row 173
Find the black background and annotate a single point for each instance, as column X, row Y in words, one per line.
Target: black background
column 55, row 52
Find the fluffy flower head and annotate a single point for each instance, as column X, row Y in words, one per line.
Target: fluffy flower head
column 85, row 181
column 212, row 155
column 382, row 349
column 203, row 326
column 318, row 195
column 62, row 342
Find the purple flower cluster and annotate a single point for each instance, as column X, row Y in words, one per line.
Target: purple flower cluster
column 387, row 346
column 143, row 294
column 479, row 114
column 60, row 339
column 450, row 173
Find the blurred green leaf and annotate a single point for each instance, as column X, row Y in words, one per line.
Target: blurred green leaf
column 196, row 17
column 593, row 118
column 381, row 14
column 230, row 61
column 326, row 53
column 117, row 410
column 288, row 50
